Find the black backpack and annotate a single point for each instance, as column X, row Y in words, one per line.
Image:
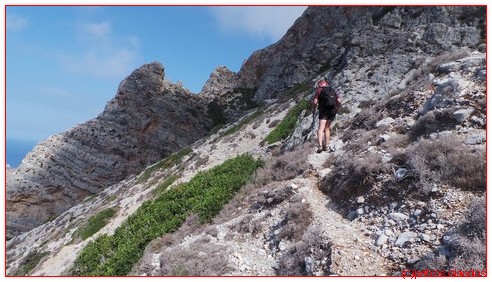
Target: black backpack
column 328, row 97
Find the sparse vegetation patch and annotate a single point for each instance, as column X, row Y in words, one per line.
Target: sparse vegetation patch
column 168, row 162
column 200, row 258
column 204, row 195
column 30, row 262
column 165, row 184
column 95, row 223
column 287, row 125
column 312, row 253
column 412, row 173
column 244, row 122
column 465, row 245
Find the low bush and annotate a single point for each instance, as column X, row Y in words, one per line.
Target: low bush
column 297, row 218
column 168, row 162
column 447, row 160
column 311, row 256
column 425, row 164
column 464, row 245
column 29, row 263
column 353, row 176
column 196, row 259
column 95, row 223
column 431, row 122
column 446, row 57
column 285, row 166
column 204, row 195
column 271, row 195
column 288, row 124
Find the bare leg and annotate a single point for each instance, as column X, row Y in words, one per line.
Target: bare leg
column 321, row 131
column 327, row 133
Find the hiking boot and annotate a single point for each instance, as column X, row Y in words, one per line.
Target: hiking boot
column 323, row 148
column 320, row 149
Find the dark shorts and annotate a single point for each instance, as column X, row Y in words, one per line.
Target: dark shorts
column 328, row 114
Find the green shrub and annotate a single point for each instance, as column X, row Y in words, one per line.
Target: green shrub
column 203, row 195
column 29, row 263
column 168, row 162
column 163, row 186
column 288, row 124
column 245, row 121
column 95, row 223
column 299, row 88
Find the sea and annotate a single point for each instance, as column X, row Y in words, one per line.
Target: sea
column 16, row 151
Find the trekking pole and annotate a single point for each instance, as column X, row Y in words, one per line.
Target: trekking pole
column 305, row 132
column 313, row 122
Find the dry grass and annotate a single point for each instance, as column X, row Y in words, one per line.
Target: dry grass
column 285, row 166
column 448, row 160
column 200, row 258
column 311, row 256
column 296, row 219
column 429, row 164
column 465, row 246
column 433, row 121
column 353, row 176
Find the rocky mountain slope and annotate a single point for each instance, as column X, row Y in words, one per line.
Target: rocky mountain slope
column 147, row 120
column 412, row 80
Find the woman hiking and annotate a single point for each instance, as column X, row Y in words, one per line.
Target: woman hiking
column 327, row 101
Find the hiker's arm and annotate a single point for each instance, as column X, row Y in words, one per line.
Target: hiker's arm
column 315, row 104
column 339, row 101
column 315, row 100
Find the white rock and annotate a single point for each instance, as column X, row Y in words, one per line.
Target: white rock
column 463, row 114
column 382, row 239
column 398, row 217
column 360, row 200
column 404, row 237
column 386, row 121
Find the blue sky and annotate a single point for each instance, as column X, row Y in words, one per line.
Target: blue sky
column 64, row 63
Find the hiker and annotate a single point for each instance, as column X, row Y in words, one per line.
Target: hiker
column 327, row 101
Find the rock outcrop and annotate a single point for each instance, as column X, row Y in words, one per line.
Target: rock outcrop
column 376, row 46
column 148, row 119
column 221, row 81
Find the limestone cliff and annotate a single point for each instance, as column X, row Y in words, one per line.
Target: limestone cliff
column 147, row 120
column 386, row 41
